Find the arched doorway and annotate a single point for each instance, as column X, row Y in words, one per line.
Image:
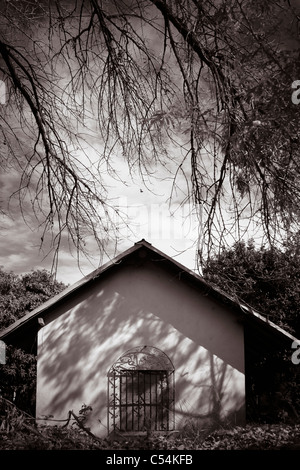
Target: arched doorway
column 141, row 391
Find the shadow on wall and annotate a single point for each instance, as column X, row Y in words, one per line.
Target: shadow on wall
column 218, row 400
column 82, row 341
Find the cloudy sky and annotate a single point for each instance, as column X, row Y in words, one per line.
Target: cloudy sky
column 147, row 213
column 170, row 227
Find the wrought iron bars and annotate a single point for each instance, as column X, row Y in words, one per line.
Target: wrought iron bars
column 141, row 392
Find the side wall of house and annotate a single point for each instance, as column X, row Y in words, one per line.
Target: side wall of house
column 133, row 306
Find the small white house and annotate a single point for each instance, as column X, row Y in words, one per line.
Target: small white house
column 147, row 344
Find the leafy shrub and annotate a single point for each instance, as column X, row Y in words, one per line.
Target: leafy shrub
column 18, row 378
column 19, row 295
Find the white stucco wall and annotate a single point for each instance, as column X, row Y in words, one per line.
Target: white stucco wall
column 133, row 307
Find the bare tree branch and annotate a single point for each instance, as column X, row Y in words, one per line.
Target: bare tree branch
column 147, row 79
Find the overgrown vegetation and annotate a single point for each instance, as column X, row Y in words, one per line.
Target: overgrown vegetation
column 18, row 431
column 20, row 294
column 265, row 278
column 18, row 379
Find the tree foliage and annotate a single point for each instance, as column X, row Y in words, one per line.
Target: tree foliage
column 18, row 379
column 18, row 296
column 265, row 278
column 200, row 88
column 21, row 294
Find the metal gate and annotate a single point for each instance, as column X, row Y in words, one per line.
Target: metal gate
column 141, row 395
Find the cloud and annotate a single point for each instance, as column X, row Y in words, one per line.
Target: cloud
column 146, row 212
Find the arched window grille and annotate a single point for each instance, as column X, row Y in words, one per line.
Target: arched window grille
column 141, row 391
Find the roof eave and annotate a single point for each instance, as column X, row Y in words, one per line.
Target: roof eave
column 248, row 312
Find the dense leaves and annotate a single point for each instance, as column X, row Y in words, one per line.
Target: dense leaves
column 266, row 279
column 18, row 379
column 21, row 294
column 266, row 437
